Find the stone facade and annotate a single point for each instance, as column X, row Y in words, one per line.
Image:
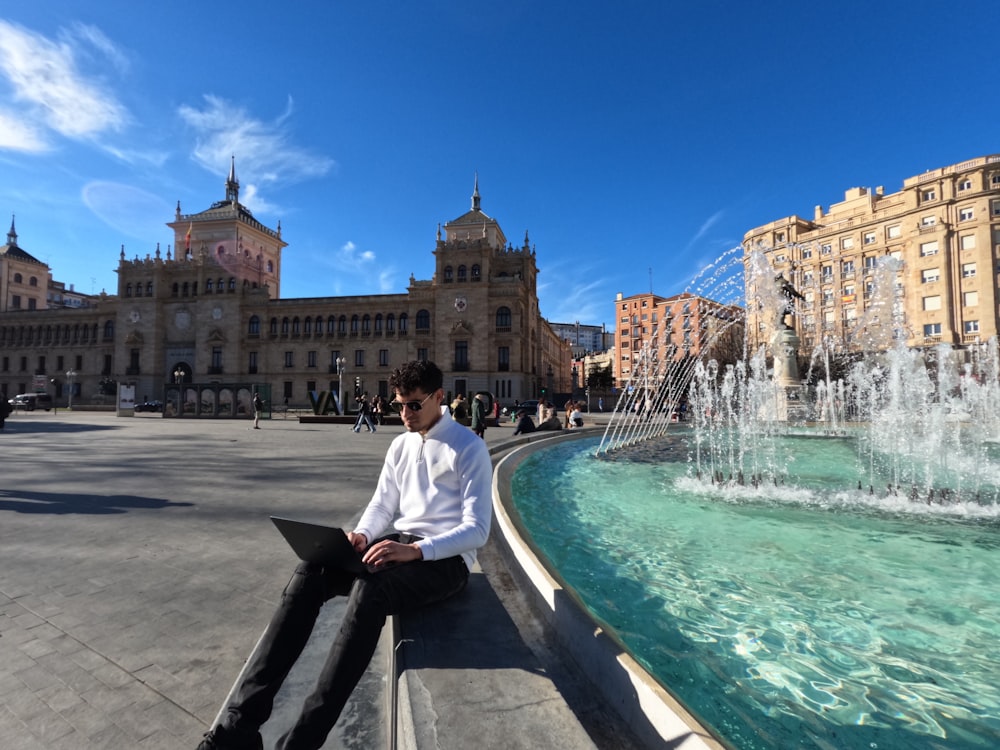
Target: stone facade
column 943, row 228
column 210, row 316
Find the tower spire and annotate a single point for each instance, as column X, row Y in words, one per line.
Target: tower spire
column 475, row 194
column 232, row 184
column 12, row 234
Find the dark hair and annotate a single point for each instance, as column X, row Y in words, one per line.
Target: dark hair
column 420, row 374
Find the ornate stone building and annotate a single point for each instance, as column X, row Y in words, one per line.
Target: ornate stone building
column 23, row 278
column 943, row 232
column 201, row 327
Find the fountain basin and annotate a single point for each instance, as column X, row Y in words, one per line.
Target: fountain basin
column 783, row 615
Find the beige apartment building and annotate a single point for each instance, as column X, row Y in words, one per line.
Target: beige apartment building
column 943, row 228
column 202, row 326
column 678, row 327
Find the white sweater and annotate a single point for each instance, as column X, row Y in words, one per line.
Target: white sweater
column 438, row 486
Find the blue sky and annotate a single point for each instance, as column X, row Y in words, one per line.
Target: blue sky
column 634, row 141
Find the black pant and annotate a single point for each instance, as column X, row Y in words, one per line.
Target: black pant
column 373, row 597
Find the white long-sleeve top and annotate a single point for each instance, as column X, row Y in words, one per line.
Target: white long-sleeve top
column 437, row 486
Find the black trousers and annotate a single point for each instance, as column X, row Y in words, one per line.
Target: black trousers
column 372, row 598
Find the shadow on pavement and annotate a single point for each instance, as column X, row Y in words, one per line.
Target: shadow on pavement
column 57, row 503
column 22, row 426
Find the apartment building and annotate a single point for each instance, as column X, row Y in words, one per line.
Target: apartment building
column 942, row 229
column 675, row 328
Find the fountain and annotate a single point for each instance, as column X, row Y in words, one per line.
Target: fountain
column 806, row 564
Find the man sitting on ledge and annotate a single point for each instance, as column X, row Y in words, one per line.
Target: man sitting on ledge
column 436, row 483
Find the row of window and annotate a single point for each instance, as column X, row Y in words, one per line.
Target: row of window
column 187, row 289
column 67, row 334
column 60, row 367
column 19, row 279
column 892, row 233
column 364, row 325
column 933, row 330
column 459, row 363
column 462, row 275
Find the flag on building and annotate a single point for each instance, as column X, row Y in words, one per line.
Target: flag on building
column 187, row 237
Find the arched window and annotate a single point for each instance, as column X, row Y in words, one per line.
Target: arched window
column 33, row 281
column 475, row 273
column 185, row 289
column 307, row 326
column 270, row 266
column 390, row 324
column 138, row 289
column 284, row 326
column 254, row 328
column 18, row 279
column 503, row 320
column 273, row 327
column 109, row 330
column 173, row 290
column 220, row 250
column 378, row 324
column 149, row 288
column 461, row 273
column 423, row 320
column 448, row 274
column 208, row 286
column 232, row 284
column 366, row 325
column 354, row 325
column 342, row 325
column 128, row 290
column 403, row 320
column 296, row 326
column 331, row 324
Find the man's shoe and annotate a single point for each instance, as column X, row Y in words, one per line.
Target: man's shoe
column 221, row 738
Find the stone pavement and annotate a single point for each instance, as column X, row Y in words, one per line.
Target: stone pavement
column 138, row 566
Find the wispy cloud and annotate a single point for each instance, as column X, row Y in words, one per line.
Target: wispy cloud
column 133, row 212
column 357, row 271
column 262, row 148
column 584, row 301
column 49, row 93
column 703, row 230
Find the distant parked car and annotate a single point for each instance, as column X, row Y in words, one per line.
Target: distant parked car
column 31, row 401
column 149, row 406
column 530, row 406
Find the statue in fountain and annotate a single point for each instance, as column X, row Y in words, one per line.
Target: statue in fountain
column 789, row 293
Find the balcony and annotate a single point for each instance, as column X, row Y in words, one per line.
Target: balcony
column 461, row 367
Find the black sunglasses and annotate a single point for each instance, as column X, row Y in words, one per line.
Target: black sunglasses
column 397, row 406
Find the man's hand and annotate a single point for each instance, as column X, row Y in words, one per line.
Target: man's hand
column 389, row 552
column 358, row 541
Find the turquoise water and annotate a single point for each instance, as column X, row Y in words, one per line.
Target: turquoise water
column 807, row 615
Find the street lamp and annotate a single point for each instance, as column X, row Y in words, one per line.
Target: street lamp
column 178, row 375
column 340, row 361
column 70, row 375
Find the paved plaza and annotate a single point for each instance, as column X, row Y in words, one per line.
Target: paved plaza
column 138, row 566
